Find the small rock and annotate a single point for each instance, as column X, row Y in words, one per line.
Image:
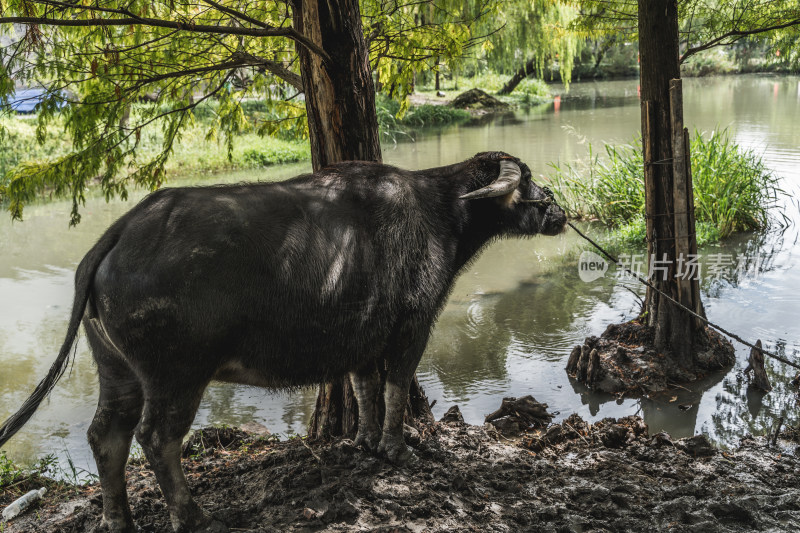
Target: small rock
column 256, row 429
column 411, row 435
column 507, row 426
column 661, row 439
column 697, row 446
column 615, row 436
column 309, row 513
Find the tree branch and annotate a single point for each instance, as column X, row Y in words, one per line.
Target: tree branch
column 274, row 67
column 738, row 34
column 289, row 33
column 238, row 14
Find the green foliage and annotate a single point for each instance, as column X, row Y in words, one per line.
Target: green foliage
column 427, row 35
column 46, row 472
column 195, row 152
column 530, row 91
column 613, row 191
column 711, row 63
column 538, row 32
column 434, row 115
column 274, row 155
column 227, row 68
column 733, row 190
column 393, row 125
column 706, row 24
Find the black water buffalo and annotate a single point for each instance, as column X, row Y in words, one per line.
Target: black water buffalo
column 276, row 285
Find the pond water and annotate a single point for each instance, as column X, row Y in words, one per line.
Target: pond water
column 512, row 318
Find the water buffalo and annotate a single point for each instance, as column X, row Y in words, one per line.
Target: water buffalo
column 276, row 285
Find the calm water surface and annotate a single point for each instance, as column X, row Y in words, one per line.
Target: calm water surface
column 512, row 318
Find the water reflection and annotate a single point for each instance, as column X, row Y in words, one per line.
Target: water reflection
column 512, row 317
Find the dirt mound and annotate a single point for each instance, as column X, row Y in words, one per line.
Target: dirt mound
column 477, row 99
column 574, row 476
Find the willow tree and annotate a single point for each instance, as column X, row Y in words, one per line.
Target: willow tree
column 533, row 36
column 670, row 32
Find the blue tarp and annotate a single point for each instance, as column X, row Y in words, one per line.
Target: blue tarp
column 26, row 100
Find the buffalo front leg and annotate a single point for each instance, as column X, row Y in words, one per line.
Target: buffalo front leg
column 401, row 362
column 366, row 387
column 164, row 423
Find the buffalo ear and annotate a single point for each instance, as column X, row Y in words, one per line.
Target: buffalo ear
column 505, row 184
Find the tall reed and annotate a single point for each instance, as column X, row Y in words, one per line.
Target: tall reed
column 733, row 190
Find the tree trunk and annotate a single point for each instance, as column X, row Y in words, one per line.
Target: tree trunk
column 343, row 126
column 340, row 96
column 526, row 70
column 675, row 330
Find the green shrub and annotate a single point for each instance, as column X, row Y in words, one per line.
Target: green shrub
column 733, row 189
column 273, row 155
column 392, row 127
column 434, row 115
column 710, row 63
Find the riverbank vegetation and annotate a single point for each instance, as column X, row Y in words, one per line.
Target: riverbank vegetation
column 47, row 472
column 733, row 190
column 195, row 152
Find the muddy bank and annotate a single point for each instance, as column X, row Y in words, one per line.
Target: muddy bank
column 624, row 361
column 573, row 476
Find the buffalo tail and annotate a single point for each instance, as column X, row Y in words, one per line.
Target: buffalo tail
column 83, row 281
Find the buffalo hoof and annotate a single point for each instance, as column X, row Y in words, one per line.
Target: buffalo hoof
column 368, row 441
column 212, row 526
column 113, row 527
column 397, row 453
column 206, row 525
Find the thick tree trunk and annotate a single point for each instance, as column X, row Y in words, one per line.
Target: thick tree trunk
column 340, row 96
column 340, row 105
column 675, row 330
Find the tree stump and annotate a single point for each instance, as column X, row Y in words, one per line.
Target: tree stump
column 519, row 414
column 336, row 410
column 756, row 365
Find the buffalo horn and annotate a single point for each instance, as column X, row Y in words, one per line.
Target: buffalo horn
column 506, row 182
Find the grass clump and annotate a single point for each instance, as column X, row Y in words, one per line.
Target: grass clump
column 733, row 189
column 16, row 480
column 390, row 116
column 434, row 115
column 395, row 124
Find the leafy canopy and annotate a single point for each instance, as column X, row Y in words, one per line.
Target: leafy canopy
column 704, row 24
column 112, row 69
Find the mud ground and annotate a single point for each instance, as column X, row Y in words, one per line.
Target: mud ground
column 609, row 476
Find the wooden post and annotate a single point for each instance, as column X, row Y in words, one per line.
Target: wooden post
column 680, row 192
column 695, row 282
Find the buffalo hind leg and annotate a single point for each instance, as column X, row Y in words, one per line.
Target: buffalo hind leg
column 366, row 387
column 165, row 421
column 111, row 431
